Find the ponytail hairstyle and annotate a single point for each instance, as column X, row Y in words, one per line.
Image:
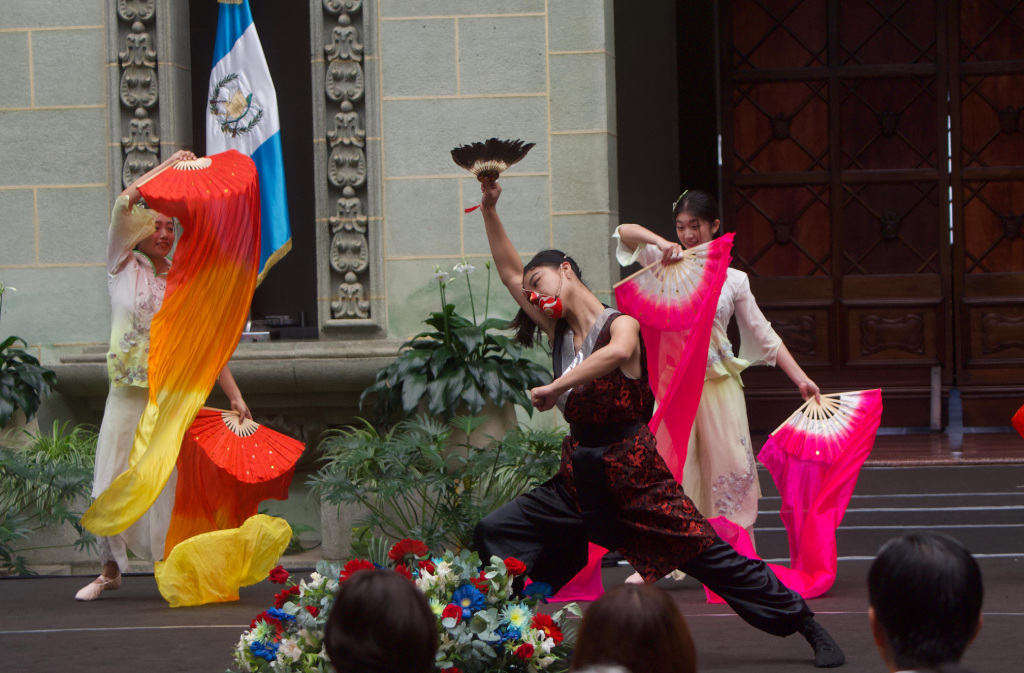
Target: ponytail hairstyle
column 526, row 329
column 698, row 203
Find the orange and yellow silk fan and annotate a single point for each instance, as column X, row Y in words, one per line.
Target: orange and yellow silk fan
column 216, row 199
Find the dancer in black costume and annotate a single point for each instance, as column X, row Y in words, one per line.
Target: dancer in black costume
column 613, row 488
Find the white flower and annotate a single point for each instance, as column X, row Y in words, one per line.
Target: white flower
column 544, row 662
column 436, row 606
column 464, row 267
column 305, row 635
column 516, row 615
column 547, row 644
column 289, row 648
column 441, row 276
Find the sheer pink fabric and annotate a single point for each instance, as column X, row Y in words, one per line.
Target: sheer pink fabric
column 815, row 490
column 676, row 331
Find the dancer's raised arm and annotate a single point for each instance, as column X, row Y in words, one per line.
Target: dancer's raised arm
column 506, row 259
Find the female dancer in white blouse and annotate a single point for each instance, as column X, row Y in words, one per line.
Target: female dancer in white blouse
column 719, row 474
column 138, row 244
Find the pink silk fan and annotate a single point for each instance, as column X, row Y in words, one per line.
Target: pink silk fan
column 815, row 458
column 675, row 305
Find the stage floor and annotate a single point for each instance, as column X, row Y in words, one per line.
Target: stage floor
column 42, row 628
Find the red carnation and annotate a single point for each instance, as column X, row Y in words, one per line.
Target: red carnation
column 407, row 547
column 279, row 575
column 285, row 596
column 514, row 566
column 355, row 565
column 312, row 609
column 428, row 565
column 403, row 570
column 269, row 619
column 453, row 669
column 524, row 651
column 481, row 583
column 545, row 624
column 454, row 611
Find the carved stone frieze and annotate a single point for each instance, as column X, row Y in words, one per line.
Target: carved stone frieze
column 346, row 166
column 136, row 10
column 349, row 255
column 138, row 89
column 348, row 128
column 350, row 302
column 345, row 80
column 878, row 334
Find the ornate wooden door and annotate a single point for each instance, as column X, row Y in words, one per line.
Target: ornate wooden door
column 987, row 93
column 835, row 178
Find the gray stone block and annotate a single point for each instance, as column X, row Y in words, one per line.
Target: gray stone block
column 53, row 147
column 587, row 238
column 581, row 177
column 58, row 305
column 582, row 92
column 524, row 209
column 393, row 8
column 418, row 57
column 67, row 67
column 580, row 25
column 50, row 13
column 71, row 229
column 423, row 217
column 420, row 134
column 15, row 78
column 502, row 55
column 17, row 220
column 412, row 293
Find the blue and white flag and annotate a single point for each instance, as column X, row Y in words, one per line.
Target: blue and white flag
column 242, row 115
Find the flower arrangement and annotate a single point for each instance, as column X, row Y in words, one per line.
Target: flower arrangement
column 483, row 625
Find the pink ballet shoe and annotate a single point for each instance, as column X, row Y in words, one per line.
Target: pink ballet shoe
column 635, row 578
column 92, row 591
column 676, row 575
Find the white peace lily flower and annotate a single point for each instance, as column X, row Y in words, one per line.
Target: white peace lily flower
column 289, row 648
column 547, row 645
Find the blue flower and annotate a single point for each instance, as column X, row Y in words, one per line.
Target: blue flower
column 469, row 599
column 509, row 633
column 280, row 614
column 539, row 590
column 264, row 650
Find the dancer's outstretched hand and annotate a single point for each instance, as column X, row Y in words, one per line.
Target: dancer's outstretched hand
column 544, row 397
column 491, row 190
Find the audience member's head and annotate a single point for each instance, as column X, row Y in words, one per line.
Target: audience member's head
column 925, row 593
column 380, row 623
column 637, row 627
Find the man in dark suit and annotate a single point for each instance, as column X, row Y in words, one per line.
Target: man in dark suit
column 925, row 592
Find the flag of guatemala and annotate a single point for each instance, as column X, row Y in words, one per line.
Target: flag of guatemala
column 242, row 115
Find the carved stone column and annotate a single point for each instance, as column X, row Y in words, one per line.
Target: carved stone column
column 349, row 257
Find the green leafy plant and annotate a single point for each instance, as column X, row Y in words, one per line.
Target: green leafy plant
column 23, row 382
column 39, row 486
column 412, row 481
column 458, row 361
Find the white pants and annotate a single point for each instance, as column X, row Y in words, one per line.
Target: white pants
column 146, row 537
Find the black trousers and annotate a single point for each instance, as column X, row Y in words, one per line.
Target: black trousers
column 544, row 530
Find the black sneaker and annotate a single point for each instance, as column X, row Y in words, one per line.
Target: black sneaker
column 826, row 652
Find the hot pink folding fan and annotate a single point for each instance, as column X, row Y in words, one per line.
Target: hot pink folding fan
column 815, row 458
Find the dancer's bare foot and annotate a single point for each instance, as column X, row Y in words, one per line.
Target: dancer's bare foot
column 635, row 578
column 677, row 575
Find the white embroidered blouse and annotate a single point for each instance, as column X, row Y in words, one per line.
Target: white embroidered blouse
column 759, row 344
column 136, row 293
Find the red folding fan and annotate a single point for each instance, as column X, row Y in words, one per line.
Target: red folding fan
column 245, row 449
column 1018, row 421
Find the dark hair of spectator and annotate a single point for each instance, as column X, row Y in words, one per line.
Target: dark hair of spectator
column 698, row 203
column 638, row 627
column 926, row 591
column 380, row 623
column 527, row 330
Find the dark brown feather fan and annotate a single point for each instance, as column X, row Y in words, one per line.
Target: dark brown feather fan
column 488, row 160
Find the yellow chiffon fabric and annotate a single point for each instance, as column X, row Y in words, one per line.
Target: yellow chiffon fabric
column 210, row 567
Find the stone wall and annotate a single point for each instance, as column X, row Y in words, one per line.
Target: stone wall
column 436, row 74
